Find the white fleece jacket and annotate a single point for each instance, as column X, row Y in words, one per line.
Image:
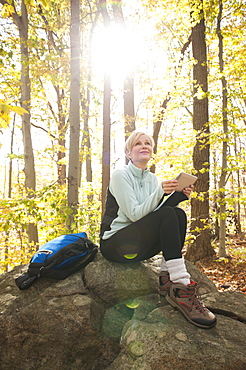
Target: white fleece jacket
column 137, row 193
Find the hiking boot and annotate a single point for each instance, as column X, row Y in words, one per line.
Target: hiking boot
column 185, row 298
column 164, row 282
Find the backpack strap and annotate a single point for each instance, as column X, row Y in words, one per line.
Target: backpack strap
column 25, row 281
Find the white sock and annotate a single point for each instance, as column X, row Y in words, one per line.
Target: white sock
column 177, row 271
column 163, row 265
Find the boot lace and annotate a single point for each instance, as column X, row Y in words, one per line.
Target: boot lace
column 194, row 298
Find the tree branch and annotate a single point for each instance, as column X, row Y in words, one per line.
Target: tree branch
column 41, row 128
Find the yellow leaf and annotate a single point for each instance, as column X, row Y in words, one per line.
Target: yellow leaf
column 5, row 113
column 63, row 161
column 4, row 120
column 7, row 10
column 18, row 110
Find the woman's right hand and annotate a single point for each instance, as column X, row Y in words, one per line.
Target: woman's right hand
column 169, row 186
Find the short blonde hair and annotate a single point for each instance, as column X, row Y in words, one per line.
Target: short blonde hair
column 133, row 138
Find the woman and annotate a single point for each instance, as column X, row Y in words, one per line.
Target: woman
column 137, row 225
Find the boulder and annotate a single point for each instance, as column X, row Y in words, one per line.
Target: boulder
column 110, row 316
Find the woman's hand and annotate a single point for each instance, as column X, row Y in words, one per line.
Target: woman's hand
column 169, row 186
column 187, row 191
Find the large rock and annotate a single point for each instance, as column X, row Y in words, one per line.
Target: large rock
column 109, row 316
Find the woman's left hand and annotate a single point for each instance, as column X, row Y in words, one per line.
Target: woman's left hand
column 187, row 191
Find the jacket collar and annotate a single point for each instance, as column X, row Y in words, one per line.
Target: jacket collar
column 137, row 171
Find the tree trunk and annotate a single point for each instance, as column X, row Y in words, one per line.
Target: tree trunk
column 29, row 170
column 157, row 127
column 222, row 181
column 86, row 141
column 61, row 167
column 73, row 170
column 238, row 225
column 106, row 120
column 129, row 112
column 215, row 199
column 106, row 139
column 201, row 247
column 11, row 161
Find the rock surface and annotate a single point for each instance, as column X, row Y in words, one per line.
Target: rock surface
column 110, row 316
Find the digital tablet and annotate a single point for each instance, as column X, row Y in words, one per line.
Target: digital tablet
column 185, row 180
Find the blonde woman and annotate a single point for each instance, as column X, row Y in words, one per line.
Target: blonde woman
column 136, row 226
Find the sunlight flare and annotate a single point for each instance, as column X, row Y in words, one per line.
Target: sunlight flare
column 117, row 51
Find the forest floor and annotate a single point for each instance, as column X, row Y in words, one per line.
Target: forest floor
column 228, row 274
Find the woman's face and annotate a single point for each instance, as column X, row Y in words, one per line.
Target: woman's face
column 141, row 152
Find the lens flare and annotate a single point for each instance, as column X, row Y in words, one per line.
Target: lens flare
column 132, row 304
column 130, row 256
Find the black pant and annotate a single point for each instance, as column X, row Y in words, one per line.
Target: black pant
column 162, row 230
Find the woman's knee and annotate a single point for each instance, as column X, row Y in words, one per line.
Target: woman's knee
column 174, row 211
column 167, row 215
column 166, row 210
column 180, row 213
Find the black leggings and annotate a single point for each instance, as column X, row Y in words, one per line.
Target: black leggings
column 162, row 230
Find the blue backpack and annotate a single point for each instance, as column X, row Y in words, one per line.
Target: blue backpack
column 59, row 258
